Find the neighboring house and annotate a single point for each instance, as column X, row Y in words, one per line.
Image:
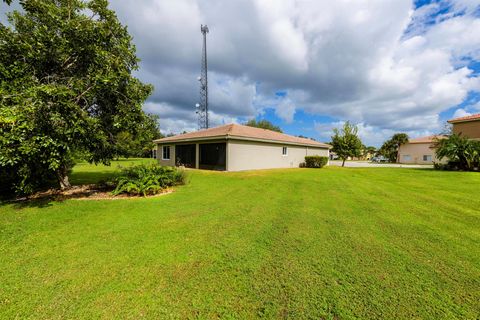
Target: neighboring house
column 236, row 147
column 418, row 151
column 467, row 126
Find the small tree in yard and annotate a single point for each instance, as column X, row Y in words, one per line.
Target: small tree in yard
column 390, row 147
column 66, row 87
column 346, row 143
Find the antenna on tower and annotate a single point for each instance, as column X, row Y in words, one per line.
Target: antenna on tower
column 202, row 107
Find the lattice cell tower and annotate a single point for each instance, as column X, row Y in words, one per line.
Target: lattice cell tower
column 202, row 107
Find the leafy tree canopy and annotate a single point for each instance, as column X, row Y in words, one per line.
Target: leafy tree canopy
column 140, row 144
column 346, row 143
column 389, row 149
column 264, row 124
column 66, row 87
column 370, row 149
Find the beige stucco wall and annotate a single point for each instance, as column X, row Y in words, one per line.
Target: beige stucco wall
column 416, row 151
column 249, row 155
column 469, row 129
column 160, row 160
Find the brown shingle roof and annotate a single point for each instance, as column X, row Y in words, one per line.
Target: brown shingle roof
column 473, row 117
column 428, row 139
column 239, row 131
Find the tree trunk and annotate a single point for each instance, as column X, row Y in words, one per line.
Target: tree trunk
column 343, row 163
column 63, row 178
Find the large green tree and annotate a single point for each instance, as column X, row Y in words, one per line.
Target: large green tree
column 66, row 87
column 346, row 143
column 140, row 144
column 389, row 149
column 263, row 124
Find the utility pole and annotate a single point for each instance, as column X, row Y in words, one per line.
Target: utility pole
column 202, row 107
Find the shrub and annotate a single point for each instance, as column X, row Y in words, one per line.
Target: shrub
column 147, row 179
column 315, row 161
column 462, row 153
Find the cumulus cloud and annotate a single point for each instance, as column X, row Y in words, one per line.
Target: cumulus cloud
column 385, row 65
column 476, row 106
column 461, row 113
column 285, row 109
column 369, row 135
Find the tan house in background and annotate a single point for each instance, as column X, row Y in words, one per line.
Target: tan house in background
column 418, row 151
column 422, row 151
column 467, row 126
column 236, row 147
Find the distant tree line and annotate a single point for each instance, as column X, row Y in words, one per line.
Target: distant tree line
column 263, row 124
column 390, row 148
column 141, row 143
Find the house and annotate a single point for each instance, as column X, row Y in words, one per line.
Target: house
column 236, row 147
column 418, row 151
column 468, row 126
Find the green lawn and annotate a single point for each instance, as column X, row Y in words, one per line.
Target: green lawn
column 332, row 243
column 84, row 172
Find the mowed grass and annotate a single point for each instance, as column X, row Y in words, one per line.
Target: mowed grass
column 85, row 173
column 332, row 243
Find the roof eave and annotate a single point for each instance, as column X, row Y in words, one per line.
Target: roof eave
column 161, row 141
column 229, row 136
column 461, row 121
column 324, row 146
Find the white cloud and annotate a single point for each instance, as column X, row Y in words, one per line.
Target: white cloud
column 461, row 113
column 383, row 64
column 476, row 106
column 370, row 135
column 285, row 110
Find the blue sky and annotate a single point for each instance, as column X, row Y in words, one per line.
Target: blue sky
column 304, row 123
column 387, row 66
column 309, row 66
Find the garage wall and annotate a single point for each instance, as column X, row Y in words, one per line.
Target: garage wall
column 162, row 162
column 248, row 155
column 469, row 129
column 317, row 152
column 416, row 151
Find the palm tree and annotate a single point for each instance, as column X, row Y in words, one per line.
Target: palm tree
column 390, row 147
column 461, row 152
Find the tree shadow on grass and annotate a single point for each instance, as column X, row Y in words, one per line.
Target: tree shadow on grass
column 80, row 178
column 23, row 203
column 47, row 198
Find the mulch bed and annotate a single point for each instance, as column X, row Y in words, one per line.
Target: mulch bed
column 85, row 192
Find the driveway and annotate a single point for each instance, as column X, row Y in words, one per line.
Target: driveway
column 367, row 164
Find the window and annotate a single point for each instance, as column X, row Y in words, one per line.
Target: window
column 427, row 158
column 154, row 153
column 407, row 157
column 284, row 151
column 166, row 153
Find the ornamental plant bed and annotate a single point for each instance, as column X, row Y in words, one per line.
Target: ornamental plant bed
column 146, row 179
column 87, row 192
